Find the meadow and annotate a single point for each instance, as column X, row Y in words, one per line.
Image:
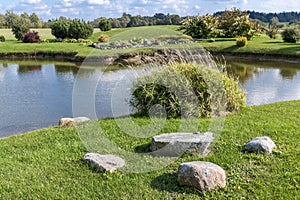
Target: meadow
column 47, row 163
column 260, row 45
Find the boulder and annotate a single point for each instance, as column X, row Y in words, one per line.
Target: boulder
column 175, row 144
column 103, row 163
column 262, row 144
column 71, row 122
column 201, row 175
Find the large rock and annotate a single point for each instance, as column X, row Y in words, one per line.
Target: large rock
column 260, row 145
column 201, row 175
column 103, row 163
column 175, row 144
column 71, row 122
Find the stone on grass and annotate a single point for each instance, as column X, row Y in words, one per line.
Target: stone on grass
column 262, row 144
column 71, row 122
column 175, row 144
column 201, row 175
column 104, row 163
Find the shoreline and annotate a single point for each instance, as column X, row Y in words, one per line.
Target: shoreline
column 131, row 57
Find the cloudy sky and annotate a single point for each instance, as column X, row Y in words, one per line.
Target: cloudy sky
column 91, row 9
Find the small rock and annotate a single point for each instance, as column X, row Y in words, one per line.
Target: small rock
column 104, row 163
column 211, row 40
column 260, row 145
column 175, row 144
column 201, row 175
column 71, row 122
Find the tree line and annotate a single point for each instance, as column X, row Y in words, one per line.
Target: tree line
column 127, row 20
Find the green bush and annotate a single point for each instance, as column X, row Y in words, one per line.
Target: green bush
column 2, row 38
column 291, row 35
column 80, row 29
column 241, row 41
column 188, row 91
column 104, row 25
column 103, row 38
column 73, row 29
column 60, row 28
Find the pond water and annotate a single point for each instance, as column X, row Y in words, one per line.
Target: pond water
column 34, row 95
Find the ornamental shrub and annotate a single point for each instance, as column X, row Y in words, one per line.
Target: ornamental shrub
column 2, row 38
column 103, row 38
column 189, row 91
column 31, row 37
column 241, row 41
column 291, row 35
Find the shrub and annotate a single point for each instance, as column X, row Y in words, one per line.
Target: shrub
column 241, row 41
column 2, row 38
column 103, row 38
column 104, row 25
column 190, row 90
column 290, row 35
column 60, row 28
column 80, row 29
column 31, row 37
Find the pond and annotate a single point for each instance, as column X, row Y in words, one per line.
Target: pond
column 36, row 94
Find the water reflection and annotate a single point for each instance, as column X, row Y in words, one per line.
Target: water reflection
column 267, row 82
column 36, row 94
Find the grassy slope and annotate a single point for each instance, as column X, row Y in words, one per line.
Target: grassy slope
column 261, row 45
column 47, row 164
column 13, row 46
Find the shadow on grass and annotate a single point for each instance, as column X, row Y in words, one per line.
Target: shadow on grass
column 231, row 48
column 144, row 148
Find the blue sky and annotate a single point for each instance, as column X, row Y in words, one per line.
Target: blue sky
column 91, row 9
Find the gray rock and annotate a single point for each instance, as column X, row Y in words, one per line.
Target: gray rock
column 260, row 145
column 72, row 122
column 201, row 175
column 175, row 144
column 104, row 163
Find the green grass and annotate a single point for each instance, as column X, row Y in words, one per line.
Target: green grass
column 47, row 164
column 260, row 45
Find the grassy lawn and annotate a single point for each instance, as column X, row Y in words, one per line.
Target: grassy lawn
column 261, row 45
column 47, row 164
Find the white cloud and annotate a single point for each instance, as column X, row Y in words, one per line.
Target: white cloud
column 31, row 1
column 98, row 2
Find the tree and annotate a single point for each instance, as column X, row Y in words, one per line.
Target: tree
column 34, row 20
column 19, row 28
column 291, row 35
column 272, row 30
column 200, row 27
column 10, row 18
column 237, row 23
column 104, row 25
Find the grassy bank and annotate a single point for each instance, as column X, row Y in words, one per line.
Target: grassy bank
column 47, row 164
column 260, row 45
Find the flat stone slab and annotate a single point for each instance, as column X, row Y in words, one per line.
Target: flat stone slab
column 175, row 144
column 72, row 122
column 262, row 144
column 104, row 163
column 201, row 175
